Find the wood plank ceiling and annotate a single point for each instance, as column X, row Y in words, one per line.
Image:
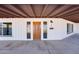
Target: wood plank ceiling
column 69, row 12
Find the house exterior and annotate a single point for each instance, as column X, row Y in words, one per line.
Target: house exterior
column 36, row 28
column 38, row 22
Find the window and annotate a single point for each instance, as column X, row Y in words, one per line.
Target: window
column 6, row 28
column 0, row 28
column 45, row 30
column 28, row 30
column 69, row 28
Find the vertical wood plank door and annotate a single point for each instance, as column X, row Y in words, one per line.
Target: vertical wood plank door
column 36, row 30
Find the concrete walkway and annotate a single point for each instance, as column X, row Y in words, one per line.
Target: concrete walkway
column 69, row 45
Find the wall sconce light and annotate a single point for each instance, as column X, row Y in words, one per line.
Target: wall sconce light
column 51, row 21
column 51, row 24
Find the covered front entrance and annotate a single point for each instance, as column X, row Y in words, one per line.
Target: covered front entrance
column 36, row 30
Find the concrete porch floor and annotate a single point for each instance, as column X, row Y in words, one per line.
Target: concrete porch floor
column 69, row 45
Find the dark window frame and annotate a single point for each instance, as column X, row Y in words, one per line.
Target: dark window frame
column 45, row 33
column 69, row 28
column 28, row 33
column 7, row 29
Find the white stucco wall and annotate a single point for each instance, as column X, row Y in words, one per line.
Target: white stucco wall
column 19, row 28
column 60, row 29
column 77, row 27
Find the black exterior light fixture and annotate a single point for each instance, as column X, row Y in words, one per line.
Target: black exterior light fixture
column 51, row 24
column 51, row 21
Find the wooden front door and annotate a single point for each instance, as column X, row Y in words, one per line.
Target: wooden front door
column 36, row 30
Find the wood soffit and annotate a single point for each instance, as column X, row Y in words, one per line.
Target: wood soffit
column 66, row 11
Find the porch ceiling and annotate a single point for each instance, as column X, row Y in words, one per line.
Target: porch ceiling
column 69, row 12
